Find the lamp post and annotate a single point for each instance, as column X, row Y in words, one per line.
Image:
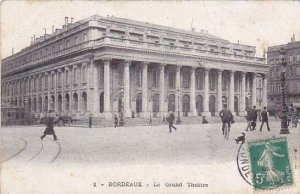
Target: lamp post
column 122, row 122
column 284, row 127
column 178, row 121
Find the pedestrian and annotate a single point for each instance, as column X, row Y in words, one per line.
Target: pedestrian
column 150, row 121
column 171, row 119
column 226, row 117
column 248, row 118
column 254, row 118
column 290, row 114
column 163, row 120
column 50, row 122
column 204, row 120
column 264, row 119
column 295, row 118
column 9, row 119
column 90, row 120
column 116, row 121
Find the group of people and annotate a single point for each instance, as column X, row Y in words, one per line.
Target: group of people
column 252, row 115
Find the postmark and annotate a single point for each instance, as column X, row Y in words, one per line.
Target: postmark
column 270, row 163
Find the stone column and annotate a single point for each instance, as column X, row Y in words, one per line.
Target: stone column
column 206, row 93
column 193, row 93
column 145, row 90
column 219, row 91
column 107, row 111
column 243, row 95
column 162, row 108
column 126, row 76
column 78, row 89
column 93, row 88
column 253, row 96
column 265, row 90
column 178, row 89
column 231, row 92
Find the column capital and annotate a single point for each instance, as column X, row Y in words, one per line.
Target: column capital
column 178, row 67
column 206, row 70
column 254, row 74
column 145, row 63
column 243, row 73
column 127, row 63
column 106, row 60
column 220, row 70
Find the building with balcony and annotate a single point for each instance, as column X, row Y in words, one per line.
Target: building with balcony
column 292, row 75
column 104, row 65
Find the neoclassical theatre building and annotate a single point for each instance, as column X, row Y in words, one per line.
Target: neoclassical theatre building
column 104, row 65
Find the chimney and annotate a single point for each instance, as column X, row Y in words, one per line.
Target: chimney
column 66, row 21
column 52, row 29
column 293, row 39
column 45, row 31
column 12, row 50
column 72, row 20
column 238, row 41
column 34, row 38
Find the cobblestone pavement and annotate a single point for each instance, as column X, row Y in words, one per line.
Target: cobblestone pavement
column 85, row 158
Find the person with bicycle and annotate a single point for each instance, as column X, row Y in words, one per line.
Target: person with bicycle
column 226, row 117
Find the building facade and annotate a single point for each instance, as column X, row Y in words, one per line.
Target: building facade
column 292, row 74
column 102, row 65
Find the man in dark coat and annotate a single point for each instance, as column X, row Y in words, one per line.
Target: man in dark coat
column 254, row 118
column 226, row 117
column 116, row 121
column 90, row 120
column 50, row 121
column 264, row 119
column 171, row 119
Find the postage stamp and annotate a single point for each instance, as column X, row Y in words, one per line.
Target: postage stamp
column 270, row 163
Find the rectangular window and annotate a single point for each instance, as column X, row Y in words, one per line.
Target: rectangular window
column 199, row 81
column 68, row 44
column 75, row 76
column 76, row 40
column 172, row 76
column 52, row 81
column 85, row 38
column 155, row 78
column 139, row 77
column 46, row 81
column 83, row 74
column 67, row 77
column 59, row 79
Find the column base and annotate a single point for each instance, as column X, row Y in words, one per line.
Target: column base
column 127, row 113
column 107, row 115
column 161, row 114
column 242, row 113
column 145, row 114
column 206, row 114
column 193, row 113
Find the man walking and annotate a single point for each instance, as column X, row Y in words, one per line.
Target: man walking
column 150, row 121
column 49, row 128
column 254, row 118
column 264, row 119
column 116, row 121
column 90, row 120
column 171, row 120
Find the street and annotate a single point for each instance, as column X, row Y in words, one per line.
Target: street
column 85, row 158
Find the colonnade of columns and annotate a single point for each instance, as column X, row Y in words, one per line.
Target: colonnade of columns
column 92, row 89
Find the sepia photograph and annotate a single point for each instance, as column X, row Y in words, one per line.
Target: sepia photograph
column 166, row 97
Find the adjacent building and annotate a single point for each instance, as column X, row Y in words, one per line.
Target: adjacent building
column 292, row 75
column 104, row 65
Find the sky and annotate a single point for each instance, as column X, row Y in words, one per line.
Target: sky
column 255, row 23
